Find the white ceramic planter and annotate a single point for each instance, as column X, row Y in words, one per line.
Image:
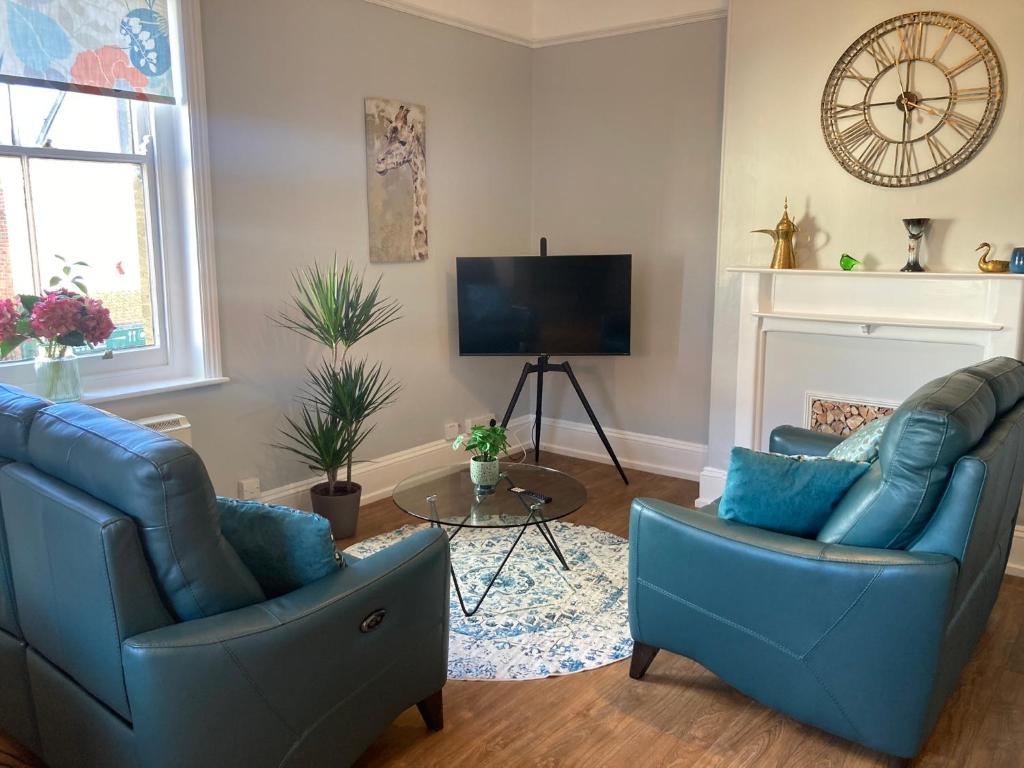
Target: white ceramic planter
column 484, row 474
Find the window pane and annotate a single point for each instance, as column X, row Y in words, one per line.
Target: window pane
column 16, row 272
column 44, row 117
column 5, row 115
column 96, row 212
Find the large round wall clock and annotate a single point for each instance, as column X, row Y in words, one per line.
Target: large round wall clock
column 912, row 100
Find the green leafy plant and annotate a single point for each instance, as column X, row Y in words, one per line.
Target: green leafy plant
column 485, row 443
column 336, row 309
column 66, row 277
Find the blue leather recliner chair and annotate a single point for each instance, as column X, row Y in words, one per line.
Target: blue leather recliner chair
column 864, row 631
column 131, row 634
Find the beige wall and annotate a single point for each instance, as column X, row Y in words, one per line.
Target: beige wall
column 285, row 87
column 626, row 146
column 779, row 56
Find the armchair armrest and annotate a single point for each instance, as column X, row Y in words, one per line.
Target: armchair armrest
column 301, row 679
column 844, row 638
column 795, row 440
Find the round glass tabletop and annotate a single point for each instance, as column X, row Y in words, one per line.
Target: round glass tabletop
column 456, row 502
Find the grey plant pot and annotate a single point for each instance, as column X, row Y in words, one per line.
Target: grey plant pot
column 341, row 509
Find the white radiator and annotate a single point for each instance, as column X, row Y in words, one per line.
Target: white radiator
column 171, row 424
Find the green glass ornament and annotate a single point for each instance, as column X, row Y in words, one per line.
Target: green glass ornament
column 847, row 262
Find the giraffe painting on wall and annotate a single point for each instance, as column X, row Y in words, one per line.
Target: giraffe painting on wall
column 396, row 184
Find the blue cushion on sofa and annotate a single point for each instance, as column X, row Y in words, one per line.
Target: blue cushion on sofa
column 787, row 494
column 862, row 445
column 284, row 548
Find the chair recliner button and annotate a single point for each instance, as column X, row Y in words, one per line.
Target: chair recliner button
column 373, row 621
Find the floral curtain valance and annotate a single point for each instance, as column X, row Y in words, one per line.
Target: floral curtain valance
column 109, row 47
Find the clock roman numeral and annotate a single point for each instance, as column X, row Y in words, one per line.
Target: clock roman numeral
column 844, row 111
column 855, row 135
column 971, row 94
column 962, row 124
column 912, row 41
column 853, row 74
column 964, row 65
column 879, row 51
column 939, row 152
column 905, row 160
column 942, row 46
column 874, row 154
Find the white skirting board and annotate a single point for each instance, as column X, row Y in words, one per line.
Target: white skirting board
column 649, row 453
column 378, row 477
column 712, row 485
column 1015, row 566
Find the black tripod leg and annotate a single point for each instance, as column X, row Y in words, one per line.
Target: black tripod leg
column 515, row 395
column 540, row 402
column 593, row 420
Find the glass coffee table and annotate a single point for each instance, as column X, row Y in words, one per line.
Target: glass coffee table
column 448, row 499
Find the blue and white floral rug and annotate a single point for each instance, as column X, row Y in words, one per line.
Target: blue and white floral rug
column 537, row 620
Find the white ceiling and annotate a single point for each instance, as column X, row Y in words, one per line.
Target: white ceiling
column 537, row 23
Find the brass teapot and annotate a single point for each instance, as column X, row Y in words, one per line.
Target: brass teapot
column 784, row 256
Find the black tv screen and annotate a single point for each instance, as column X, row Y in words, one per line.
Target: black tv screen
column 544, row 305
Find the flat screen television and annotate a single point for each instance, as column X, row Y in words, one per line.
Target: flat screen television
column 544, row 305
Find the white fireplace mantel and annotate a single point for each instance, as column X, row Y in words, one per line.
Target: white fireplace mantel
column 981, row 311
column 940, row 307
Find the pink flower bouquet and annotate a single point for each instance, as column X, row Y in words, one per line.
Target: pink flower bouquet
column 58, row 319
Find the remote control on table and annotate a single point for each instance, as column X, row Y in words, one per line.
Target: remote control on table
column 532, row 494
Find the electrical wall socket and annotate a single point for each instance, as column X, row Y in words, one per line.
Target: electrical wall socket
column 451, row 430
column 249, row 488
column 481, row 420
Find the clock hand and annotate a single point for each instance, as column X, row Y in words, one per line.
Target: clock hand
column 925, row 107
column 899, row 74
column 906, row 138
column 919, row 101
column 910, row 73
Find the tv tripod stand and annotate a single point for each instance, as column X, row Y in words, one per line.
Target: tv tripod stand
column 542, row 366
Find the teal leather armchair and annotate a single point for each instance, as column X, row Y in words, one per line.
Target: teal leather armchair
column 132, row 634
column 866, row 642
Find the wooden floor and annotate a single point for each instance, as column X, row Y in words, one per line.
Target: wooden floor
column 680, row 715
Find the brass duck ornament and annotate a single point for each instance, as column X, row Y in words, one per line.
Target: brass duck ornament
column 991, row 266
column 784, row 255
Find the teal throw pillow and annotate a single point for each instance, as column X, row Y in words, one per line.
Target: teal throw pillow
column 862, row 445
column 787, row 494
column 284, row 548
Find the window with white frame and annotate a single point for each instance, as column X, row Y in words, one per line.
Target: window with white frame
column 77, row 182
column 107, row 186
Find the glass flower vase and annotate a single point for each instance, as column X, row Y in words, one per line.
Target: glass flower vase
column 58, row 378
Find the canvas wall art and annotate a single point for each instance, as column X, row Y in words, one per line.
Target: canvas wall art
column 396, row 180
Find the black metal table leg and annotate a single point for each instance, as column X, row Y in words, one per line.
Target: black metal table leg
column 549, row 537
column 497, row 573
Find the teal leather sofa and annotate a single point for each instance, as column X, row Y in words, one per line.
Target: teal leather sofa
column 131, row 634
column 863, row 632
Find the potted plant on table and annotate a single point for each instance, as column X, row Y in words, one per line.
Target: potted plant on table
column 486, row 444
column 336, row 309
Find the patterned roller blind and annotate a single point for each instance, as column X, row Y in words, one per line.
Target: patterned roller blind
column 109, row 47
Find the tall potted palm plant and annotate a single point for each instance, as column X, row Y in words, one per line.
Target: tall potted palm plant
column 334, row 308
